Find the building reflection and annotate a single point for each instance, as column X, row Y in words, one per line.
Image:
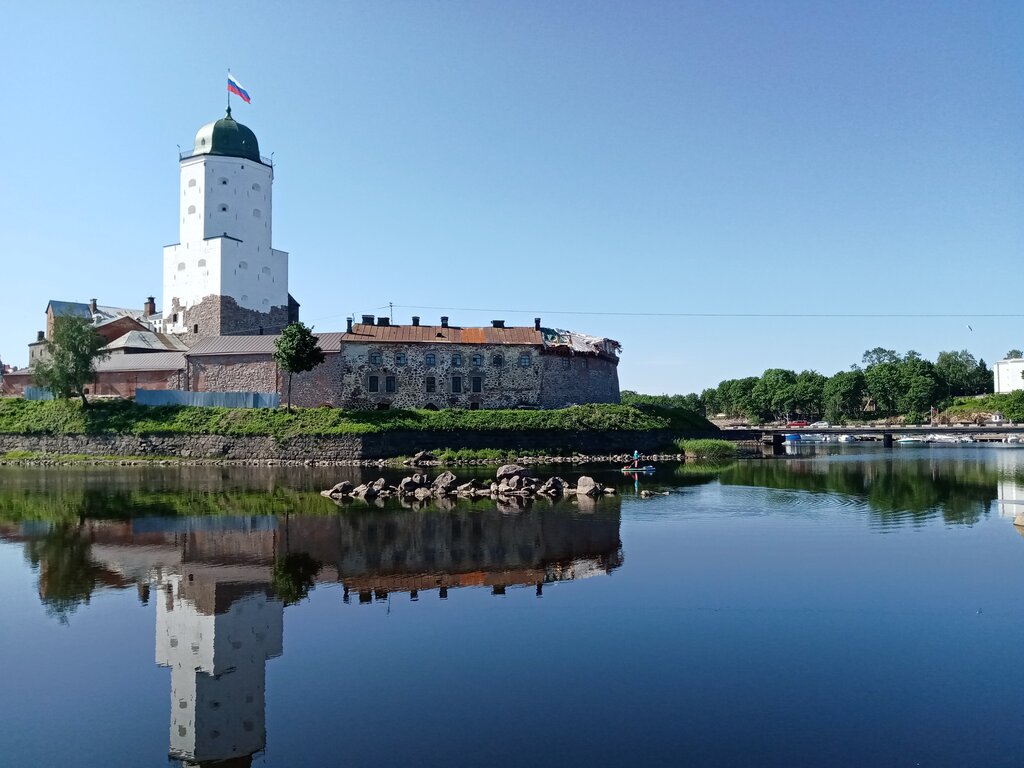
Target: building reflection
column 221, row 584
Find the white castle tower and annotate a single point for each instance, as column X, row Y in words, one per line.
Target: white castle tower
column 224, row 277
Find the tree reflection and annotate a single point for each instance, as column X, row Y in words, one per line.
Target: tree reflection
column 293, row 575
column 67, row 572
column 894, row 489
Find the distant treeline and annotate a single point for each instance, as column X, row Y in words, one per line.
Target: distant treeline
column 885, row 384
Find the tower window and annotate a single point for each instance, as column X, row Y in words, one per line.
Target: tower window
column 201, row 263
column 223, row 181
column 245, row 297
column 223, row 208
column 243, row 265
column 255, row 187
column 266, row 270
column 195, row 328
column 191, row 182
column 191, row 209
column 256, row 213
column 266, row 301
column 181, row 266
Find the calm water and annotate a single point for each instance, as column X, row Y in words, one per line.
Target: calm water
column 841, row 608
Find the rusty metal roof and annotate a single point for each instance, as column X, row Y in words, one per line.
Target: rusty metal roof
column 436, row 334
column 253, row 345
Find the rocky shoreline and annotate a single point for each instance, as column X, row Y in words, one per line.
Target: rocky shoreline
column 427, row 461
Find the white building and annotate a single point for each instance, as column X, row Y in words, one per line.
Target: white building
column 224, row 276
column 1009, row 375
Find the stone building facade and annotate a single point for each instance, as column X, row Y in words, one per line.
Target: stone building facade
column 380, row 366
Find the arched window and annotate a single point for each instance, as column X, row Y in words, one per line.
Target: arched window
column 191, row 209
column 256, row 213
column 181, row 266
column 244, row 297
column 243, row 265
column 266, row 270
column 223, row 181
column 255, row 187
column 201, row 263
column 191, row 182
column 223, row 208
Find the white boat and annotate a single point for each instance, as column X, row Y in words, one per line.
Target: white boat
column 847, row 438
column 906, row 440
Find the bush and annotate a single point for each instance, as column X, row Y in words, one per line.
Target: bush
column 707, row 450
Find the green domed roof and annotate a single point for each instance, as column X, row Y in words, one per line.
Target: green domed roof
column 227, row 137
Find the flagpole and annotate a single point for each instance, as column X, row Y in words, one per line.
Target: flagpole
column 229, row 92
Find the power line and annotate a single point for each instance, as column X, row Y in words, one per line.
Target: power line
column 841, row 315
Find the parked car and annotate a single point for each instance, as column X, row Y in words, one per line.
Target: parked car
column 820, row 425
column 797, row 424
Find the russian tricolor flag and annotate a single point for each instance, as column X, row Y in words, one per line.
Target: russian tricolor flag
column 236, row 88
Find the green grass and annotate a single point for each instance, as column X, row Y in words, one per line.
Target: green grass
column 68, row 417
column 707, row 449
column 1011, row 406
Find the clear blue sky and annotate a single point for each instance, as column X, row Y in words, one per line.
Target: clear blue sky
column 546, row 157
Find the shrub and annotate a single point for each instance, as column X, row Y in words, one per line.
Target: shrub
column 707, row 449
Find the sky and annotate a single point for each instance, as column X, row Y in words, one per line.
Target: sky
column 616, row 168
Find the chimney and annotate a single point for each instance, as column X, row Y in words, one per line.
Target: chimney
column 348, row 324
column 536, row 323
column 497, row 323
column 444, row 321
column 93, row 309
column 383, row 321
column 149, row 309
column 40, row 335
column 367, row 319
column 415, row 319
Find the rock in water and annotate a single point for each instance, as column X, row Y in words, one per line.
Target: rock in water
column 507, row 471
column 587, row 486
column 445, row 482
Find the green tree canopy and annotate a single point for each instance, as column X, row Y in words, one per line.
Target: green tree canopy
column 1014, row 354
column 70, row 363
column 297, row 350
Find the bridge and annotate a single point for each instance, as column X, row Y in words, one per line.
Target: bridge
column 774, row 436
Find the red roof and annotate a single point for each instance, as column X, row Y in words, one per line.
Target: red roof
column 436, row 334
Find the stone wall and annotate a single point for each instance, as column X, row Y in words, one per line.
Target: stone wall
column 335, row 448
column 509, row 376
column 221, row 316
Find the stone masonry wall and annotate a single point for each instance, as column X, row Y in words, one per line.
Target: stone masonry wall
column 509, row 375
column 335, row 448
column 577, row 379
column 221, row 316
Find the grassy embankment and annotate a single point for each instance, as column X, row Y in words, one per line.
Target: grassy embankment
column 966, row 408
column 66, row 417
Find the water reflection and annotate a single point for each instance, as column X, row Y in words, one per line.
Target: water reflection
column 220, row 585
column 897, row 489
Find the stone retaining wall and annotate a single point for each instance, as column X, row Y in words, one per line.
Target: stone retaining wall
column 336, row 448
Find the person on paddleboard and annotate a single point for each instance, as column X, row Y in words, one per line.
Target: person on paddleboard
column 636, row 459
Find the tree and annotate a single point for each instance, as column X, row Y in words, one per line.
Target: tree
column 843, row 395
column 956, row 373
column 71, row 360
column 879, row 355
column 297, row 350
column 884, row 384
column 294, row 575
column 1014, row 354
